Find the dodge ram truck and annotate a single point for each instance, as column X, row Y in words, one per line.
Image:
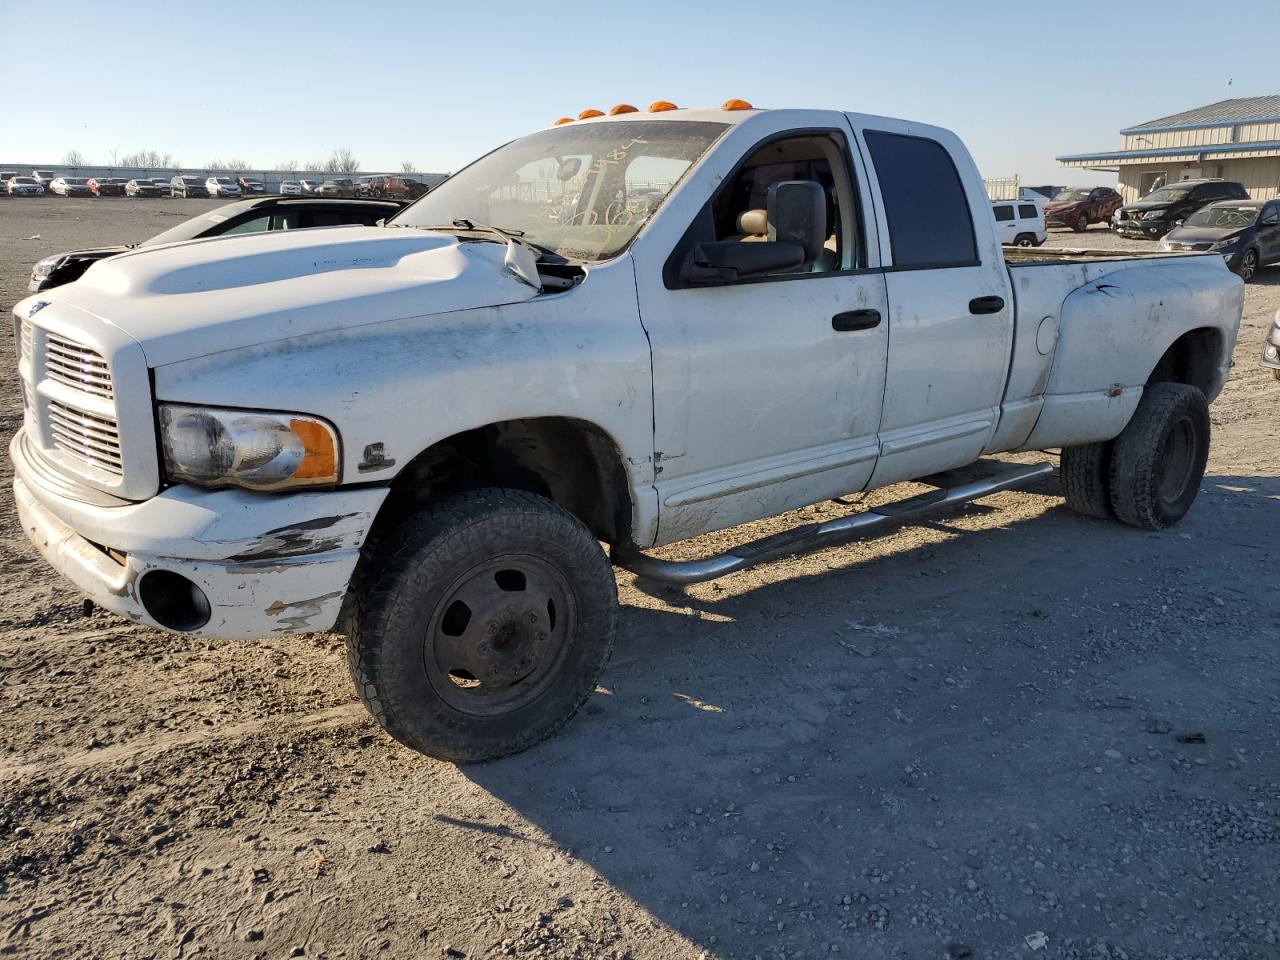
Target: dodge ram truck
column 439, row 435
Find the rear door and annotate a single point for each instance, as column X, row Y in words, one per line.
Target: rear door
column 1269, row 232
column 950, row 309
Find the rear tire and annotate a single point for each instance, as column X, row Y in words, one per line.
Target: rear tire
column 1248, row 267
column 1082, row 224
column 483, row 624
column 1085, row 474
column 1158, row 461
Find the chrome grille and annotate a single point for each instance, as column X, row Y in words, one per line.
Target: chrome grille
column 76, row 365
column 89, row 438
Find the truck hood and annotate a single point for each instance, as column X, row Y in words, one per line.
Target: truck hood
column 187, row 300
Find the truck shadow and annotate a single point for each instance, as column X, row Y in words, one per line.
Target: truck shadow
column 768, row 760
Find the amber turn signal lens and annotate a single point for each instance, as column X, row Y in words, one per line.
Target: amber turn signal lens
column 622, row 108
column 562, row 121
column 659, row 105
column 320, row 459
column 736, row 104
column 589, row 113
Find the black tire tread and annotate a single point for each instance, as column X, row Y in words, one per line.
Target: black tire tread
column 1085, row 471
column 451, row 523
column 1137, row 450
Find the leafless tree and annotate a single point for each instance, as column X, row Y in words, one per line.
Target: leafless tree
column 406, row 166
column 341, row 161
column 290, row 165
column 234, row 164
column 74, row 158
column 150, row 159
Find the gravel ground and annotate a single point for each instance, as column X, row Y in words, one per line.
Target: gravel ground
column 1056, row 739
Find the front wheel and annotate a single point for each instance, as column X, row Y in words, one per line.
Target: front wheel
column 1158, row 461
column 1082, row 224
column 1248, row 266
column 483, row 625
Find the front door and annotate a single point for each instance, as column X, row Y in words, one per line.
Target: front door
column 767, row 391
column 1269, row 232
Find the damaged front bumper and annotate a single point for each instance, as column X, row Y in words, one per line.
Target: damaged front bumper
column 264, row 563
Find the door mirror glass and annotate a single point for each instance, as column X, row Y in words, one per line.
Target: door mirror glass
column 568, row 168
column 798, row 215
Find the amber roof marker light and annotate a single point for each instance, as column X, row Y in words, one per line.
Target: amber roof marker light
column 735, row 104
column 660, row 105
column 589, row 114
column 562, row 121
column 622, row 108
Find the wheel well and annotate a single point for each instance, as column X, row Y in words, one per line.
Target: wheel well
column 572, row 462
column 1195, row 359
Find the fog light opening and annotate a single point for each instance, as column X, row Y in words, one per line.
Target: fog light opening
column 173, row 601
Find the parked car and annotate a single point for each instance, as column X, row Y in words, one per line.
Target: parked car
column 249, row 185
column 337, row 187
column 309, row 186
column 1077, row 207
column 439, row 429
column 141, row 188
column 1271, row 347
column 290, row 188
column 45, row 178
column 1019, row 223
column 187, row 186
column 251, row 215
column 165, row 184
column 5, row 177
column 71, row 187
column 396, row 187
column 24, row 187
column 1164, row 208
column 367, row 186
column 223, row 187
column 106, row 186
column 1245, row 232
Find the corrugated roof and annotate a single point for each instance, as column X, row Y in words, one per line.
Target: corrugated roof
column 1222, row 113
column 1253, row 146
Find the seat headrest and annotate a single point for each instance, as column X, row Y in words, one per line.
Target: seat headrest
column 753, row 222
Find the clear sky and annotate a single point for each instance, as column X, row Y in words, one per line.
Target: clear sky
column 437, row 84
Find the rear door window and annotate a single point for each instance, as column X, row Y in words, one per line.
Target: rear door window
column 1027, row 211
column 1004, row 214
column 929, row 220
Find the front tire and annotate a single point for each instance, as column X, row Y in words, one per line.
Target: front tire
column 1082, row 224
column 1248, row 267
column 1158, row 461
column 482, row 626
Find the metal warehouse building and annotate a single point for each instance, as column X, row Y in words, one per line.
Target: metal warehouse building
column 1232, row 139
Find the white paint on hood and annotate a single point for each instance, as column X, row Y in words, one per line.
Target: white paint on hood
column 191, row 299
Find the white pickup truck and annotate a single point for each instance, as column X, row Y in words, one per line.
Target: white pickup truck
column 626, row 329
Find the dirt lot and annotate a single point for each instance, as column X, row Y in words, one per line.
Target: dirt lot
column 1005, row 724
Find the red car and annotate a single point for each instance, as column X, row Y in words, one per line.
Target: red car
column 1077, row 207
column 107, row 186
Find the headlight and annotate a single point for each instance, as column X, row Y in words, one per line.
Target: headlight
column 46, row 267
column 1224, row 244
column 256, row 450
column 1153, row 215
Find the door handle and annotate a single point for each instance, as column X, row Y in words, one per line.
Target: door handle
column 856, row 320
column 986, row 304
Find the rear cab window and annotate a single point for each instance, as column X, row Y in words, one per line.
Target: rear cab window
column 930, row 225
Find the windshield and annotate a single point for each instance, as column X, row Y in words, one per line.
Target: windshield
column 190, row 229
column 582, row 191
column 1071, row 196
column 75, row 181
column 1168, row 195
column 1223, row 218
column 222, row 179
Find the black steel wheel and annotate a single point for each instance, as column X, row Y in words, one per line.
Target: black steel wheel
column 482, row 625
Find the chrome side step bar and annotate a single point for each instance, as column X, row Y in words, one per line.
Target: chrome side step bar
column 814, row 535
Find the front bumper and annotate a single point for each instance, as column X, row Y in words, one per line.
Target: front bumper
column 1271, row 347
column 268, row 563
column 1142, row 229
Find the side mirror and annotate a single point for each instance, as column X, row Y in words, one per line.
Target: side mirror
column 568, row 168
column 729, row 260
column 798, row 214
column 797, row 231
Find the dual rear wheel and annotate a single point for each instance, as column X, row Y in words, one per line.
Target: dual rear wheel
column 1149, row 476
